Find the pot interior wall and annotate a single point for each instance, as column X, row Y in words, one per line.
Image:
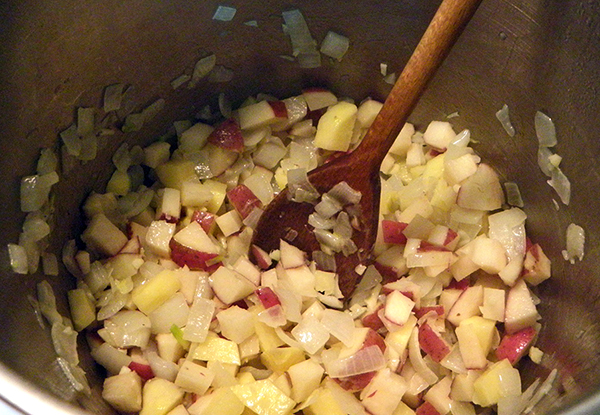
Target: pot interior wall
column 532, row 55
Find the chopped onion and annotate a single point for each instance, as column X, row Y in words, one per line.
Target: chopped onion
column 151, row 110
column 273, row 316
column 180, row 80
column 252, row 23
column 513, row 194
column 575, row 243
column 335, row 45
column 364, row 360
column 344, row 194
column 311, row 334
column 47, row 302
column 224, row 13
column 122, row 158
column 545, row 130
column 340, row 325
column 508, row 227
column 49, row 264
column 561, row 185
column 300, row 189
column 201, row 314
column 18, row 258
column 503, row 117
column 220, row 74
column 543, row 159
column 71, row 140
column 328, row 206
column 160, row 367
column 224, row 105
column 318, row 222
column 68, row 258
column 323, row 261
column 64, row 339
column 114, row 301
column 417, row 361
column 201, row 69
column 127, row 328
column 48, row 161
column 35, row 190
column 303, row 45
column 85, row 121
column 370, row 280
column 113, row 96
column 75, row 375
column 35, row 227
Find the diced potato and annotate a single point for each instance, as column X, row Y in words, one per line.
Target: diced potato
column 124, row 392
column 498, row 381
column 159, row 396
column 281, row 358
column 152, row 294
column 264, row 398
column 215, row 348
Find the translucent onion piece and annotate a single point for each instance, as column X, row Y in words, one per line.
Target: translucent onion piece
column 575, row 243
column 32, row 249
column 503, row 116
column 348, row 402
column 47, row 303
column 121, row 158
column 513, row 194
column 162, row 368
column 48, row 161
column 202, row 68
column 68, row 258
column 342, row 225
column 416, row 359
column 134, row 203
column 324, row 262
column 344, row 194
column 340, row 325
column 545, row 130
column 220, row 74
column 543, row 159
column 49, row 264
column 300, row 188
column 365, row 360
column 64, row 339
column 71, row 140
column 318, row 222
column 253, row 217
column 224, row 105
column 370, row 280
column 335, row 45
column 224, row 13
column 35, row 227
column 113, row 96
column 85, row 121
column 330, row 240
column 311, row 334
column 287, row 339
column 201, row 314
column 561, row 185
column 180, row 80
column 75, row 375
column 328, row 206
column 273, row 316
column 128, row 328
column 18, row 258
column 508, row 227
column 115, row 301
column 35, row 191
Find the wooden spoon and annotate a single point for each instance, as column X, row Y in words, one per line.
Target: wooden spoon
column 288, row 220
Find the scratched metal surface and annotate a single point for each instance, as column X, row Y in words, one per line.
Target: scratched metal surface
column 530, row 54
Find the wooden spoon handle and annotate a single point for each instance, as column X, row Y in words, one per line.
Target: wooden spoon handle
column 445, row 27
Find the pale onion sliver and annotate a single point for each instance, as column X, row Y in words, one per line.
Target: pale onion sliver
column 364, row 360
column 545, row 130
column 417, row 361
column 201, row 313
column 340, row 325
column 575, row 243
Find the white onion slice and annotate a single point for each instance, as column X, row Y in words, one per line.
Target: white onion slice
column 340, row 325
column 71, row 140
column 300, row 188
column 48, row 161
column 344, row 194
column 365, row 360
column 545, row 130
column 115, row 301
column 561, row 185
column 416, row 359
column 220, row 74
column 201, row 69
column 335, row 45
column 513, row 194
column 162, row 368
column 504, row 118
column 113, row 95
column 543, row 160
column 49, row 263
column 18, row 258
column 75, row 375
column 311, row 334
column 201, row 313
column 224, row 13
column 47, row 302
column 328, row 206
column 575, row 243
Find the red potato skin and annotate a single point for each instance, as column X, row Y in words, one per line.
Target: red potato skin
column 514, row 346
column 144, row 371
column 426, row 409
column 195, row 260
column 267, row 297
column 228, row 136
column 372, row 320
column 243, row 200
column 432, row 343
column 205, row 219
column 389, row 274
column 393, row 232
column 279, row 109
column 263, row 260
column 437, row 309
column 459, row 285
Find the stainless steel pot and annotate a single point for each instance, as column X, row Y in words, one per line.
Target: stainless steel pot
column 530, row 54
